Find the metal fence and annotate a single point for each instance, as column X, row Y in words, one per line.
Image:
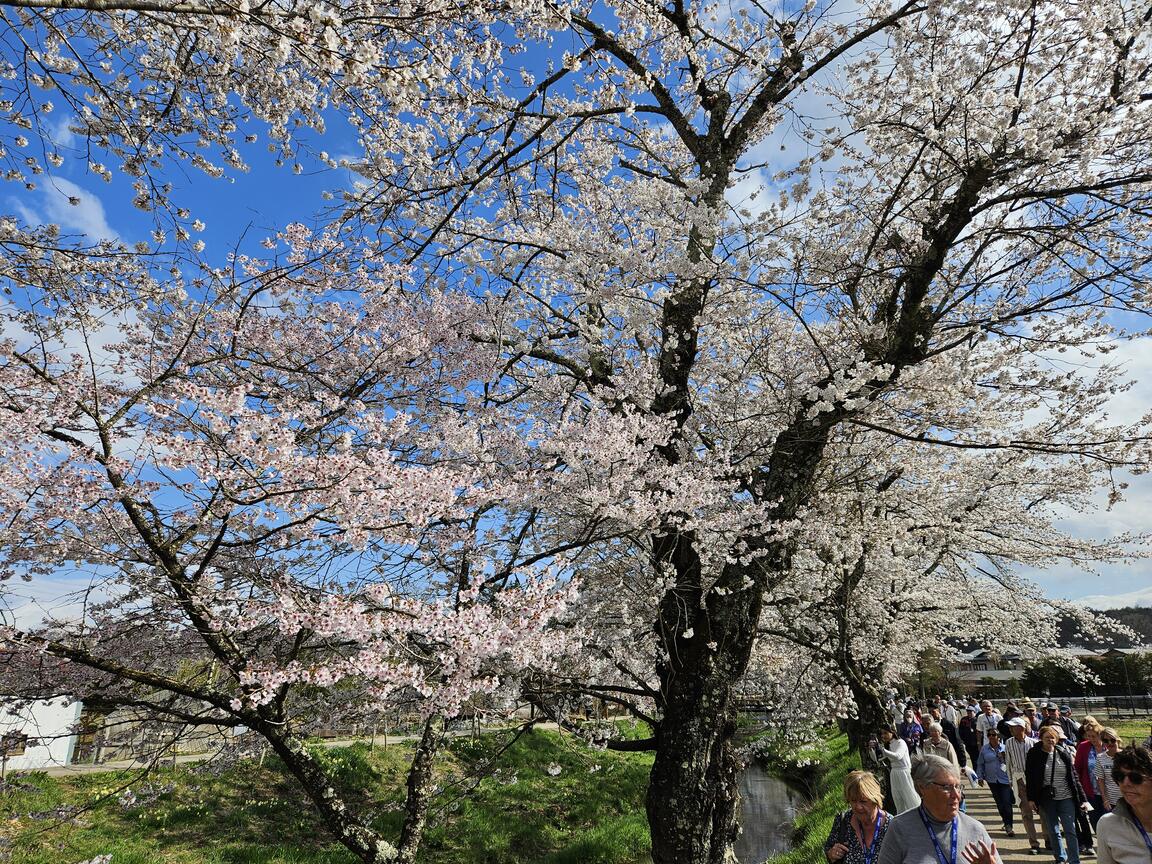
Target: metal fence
column 1112, row 707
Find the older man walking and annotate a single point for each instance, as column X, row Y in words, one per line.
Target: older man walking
column 1015, row 755
column 937, row 831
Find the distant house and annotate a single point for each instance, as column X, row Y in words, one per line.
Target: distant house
column 1122, row 652
column 982, row 665
column 39, row 734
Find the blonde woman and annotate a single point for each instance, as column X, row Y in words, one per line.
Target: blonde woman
column 1050, row 779
column 857, row 833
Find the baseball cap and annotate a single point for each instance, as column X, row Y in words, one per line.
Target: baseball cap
column 1018, row 721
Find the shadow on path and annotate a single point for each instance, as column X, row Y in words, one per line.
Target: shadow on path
column 1013, row 850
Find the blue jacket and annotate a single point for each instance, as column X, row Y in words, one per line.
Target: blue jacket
column 990, row 765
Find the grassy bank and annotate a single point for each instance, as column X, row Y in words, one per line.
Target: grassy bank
column 1131, row 731
column 821, row 767
column 551, row 801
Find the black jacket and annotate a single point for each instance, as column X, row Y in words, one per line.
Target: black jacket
column 949, row 729
column 1036, row 778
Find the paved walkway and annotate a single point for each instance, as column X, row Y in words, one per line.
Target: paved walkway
column 186, row 758
column 1013, row 850
column 380, row 740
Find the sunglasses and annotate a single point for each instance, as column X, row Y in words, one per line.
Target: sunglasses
column 1133, row 777
column 1109, row 740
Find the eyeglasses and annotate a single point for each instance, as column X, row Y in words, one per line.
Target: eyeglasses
column 1133, row 777
column 1109, row 740
column 950, row 788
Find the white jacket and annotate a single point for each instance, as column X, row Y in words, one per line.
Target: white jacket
column 1118, row 840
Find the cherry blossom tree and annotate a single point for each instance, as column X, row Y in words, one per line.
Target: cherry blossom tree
column 643, row 329
column 923, row 555
column 238, row 466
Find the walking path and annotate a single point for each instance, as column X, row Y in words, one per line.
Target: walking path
column 1013, row 850
column 185, row 758
column 380, row 740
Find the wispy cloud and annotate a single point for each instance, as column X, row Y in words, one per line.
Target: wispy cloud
column 63, row 597
column 75, row 209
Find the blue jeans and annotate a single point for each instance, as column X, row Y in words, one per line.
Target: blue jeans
column 1061, row 816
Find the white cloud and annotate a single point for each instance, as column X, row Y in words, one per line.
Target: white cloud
column 1098, row 521
column 57, row 598
column 1135, row 355
column 52, row 203
column 1139, row 597
column 60, row 132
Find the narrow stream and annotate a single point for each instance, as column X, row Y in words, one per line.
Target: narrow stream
column 769, row 809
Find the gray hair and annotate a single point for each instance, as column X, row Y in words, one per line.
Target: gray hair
column 925, row 769
column 935, row 727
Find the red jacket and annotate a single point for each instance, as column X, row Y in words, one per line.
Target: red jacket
column 1082, row 773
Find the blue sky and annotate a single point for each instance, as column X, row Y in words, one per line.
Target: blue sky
column 243, row 208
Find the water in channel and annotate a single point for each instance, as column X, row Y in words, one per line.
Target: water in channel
column 769, row 809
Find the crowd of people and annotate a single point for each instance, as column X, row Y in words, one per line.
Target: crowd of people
column 1078, row 790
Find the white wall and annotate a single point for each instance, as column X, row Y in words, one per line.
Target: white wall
column 50, row 723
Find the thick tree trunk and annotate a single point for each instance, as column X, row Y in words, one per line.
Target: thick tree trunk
column 707, row 637
column 693, row 800
column 871, row 715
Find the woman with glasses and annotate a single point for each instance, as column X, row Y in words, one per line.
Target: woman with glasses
column 895, row 750
column 1054, row 790
column 991, row 769
column 857, row 834
column 1123, row 835
column 1109, row 791
column 935, row 744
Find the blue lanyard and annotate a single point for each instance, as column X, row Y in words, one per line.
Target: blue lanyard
column 936, row 843
column 1143, row 833
column 872, row 848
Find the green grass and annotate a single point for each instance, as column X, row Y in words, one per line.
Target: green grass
column 590, row 811
column 513, row 810
column 1130, row 731
column 545, row 799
